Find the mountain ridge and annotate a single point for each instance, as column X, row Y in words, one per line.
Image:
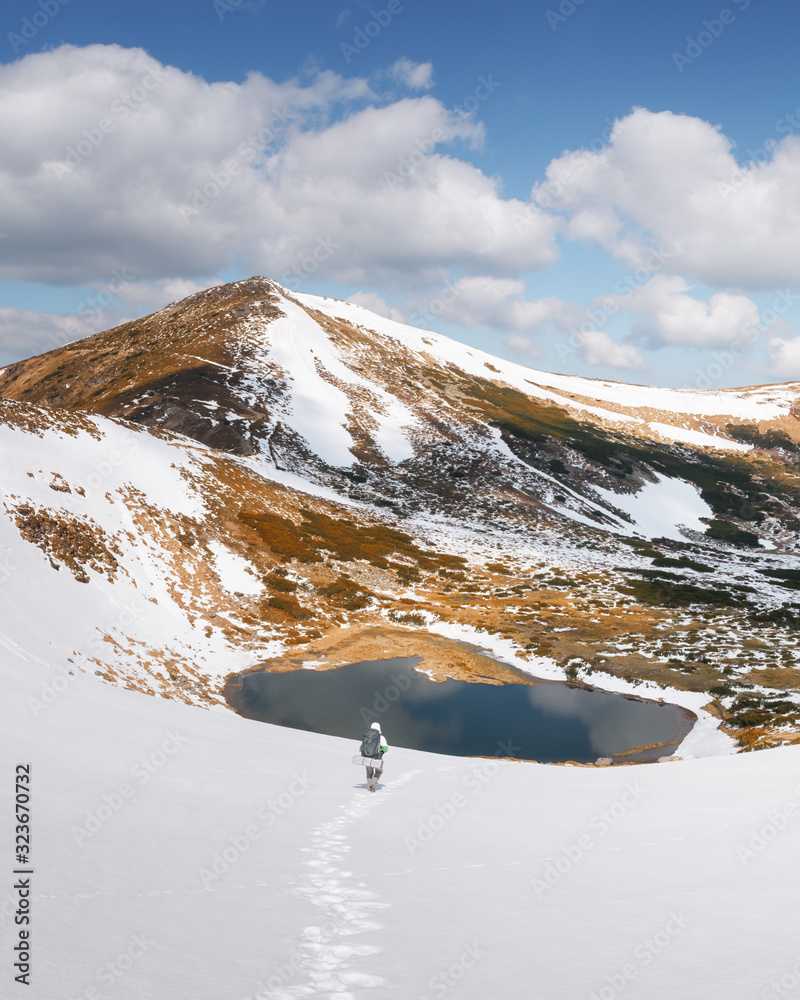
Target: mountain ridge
column 353, row 473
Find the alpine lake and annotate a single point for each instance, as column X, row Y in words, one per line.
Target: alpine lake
column 546, row 721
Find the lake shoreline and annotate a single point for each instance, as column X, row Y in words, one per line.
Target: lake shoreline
column 562, row 697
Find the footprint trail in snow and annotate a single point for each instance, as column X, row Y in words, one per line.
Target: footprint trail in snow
column 323, row 953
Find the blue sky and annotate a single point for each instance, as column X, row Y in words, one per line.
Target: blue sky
column 477, row 169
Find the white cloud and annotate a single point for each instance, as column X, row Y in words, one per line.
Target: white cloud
column 152, row 296
column 112, row 163
column 671, row 181
column 171, row 175
column 373, row 302
column 597, row 348
column 496, row 304
column 520, row 344
column 667, row 315
column 415, row 76
column 24, row 334
column 784, row 358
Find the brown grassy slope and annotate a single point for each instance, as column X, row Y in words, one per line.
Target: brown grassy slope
column 167, row 361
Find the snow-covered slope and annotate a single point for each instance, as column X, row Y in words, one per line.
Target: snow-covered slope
column 84, row 497
column 331, row 372
column 760, row 403
column 253, row 475
column 180, row 853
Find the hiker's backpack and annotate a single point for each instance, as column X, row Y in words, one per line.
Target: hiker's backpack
column 371, row 743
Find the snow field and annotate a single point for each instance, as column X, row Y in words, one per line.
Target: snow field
column 661, row 509
column 184, row 853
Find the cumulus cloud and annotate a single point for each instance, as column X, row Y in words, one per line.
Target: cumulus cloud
column 415, row 76
column 373, row 302
column 24, row 333
column 495, row 304
column 112, row 163
column 597, row 348
column 152, row 296
column 667, row 315
column 111, row 160
column 784, row 358
column 520, row 344
column 672, row 181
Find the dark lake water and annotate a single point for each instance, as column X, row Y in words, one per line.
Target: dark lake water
column 546, row 722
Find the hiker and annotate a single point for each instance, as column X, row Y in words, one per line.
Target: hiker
column 374, row 746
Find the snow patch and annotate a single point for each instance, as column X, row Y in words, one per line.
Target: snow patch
column 662, row 509
column 673, row 433
column 320, row 409
column 234, row 571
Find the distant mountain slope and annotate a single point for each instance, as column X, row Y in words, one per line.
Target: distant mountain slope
column 337, row 477
column 382, row 412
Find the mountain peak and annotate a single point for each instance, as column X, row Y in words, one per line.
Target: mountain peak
column 275, row 469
